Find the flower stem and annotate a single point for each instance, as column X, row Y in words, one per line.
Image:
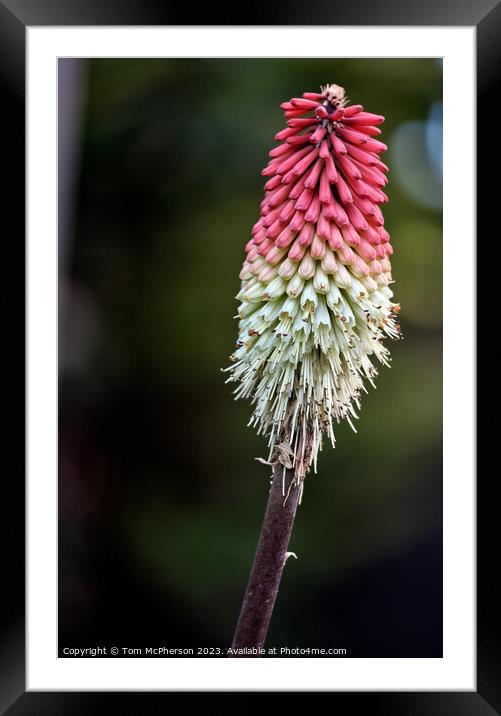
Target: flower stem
column 269, row 561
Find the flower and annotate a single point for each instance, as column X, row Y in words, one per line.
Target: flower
column 315, row 296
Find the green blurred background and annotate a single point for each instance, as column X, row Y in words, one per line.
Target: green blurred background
column 160, row 496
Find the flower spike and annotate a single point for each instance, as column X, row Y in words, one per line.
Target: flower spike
column 315, row 296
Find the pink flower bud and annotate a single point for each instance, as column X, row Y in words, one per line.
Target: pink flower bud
column 271, row 216
column 284, row 238
column 343, row 190
column 338, row 146
column 365, row 118
column 346, row 255
column 385, row 264
column 335, row 239
column 350, row 236
column 365, row 251
column 313, row 210
column 324, row 149
column 275, row 255
column 304, row 199
column 272, row 183
column 314, row 173
column 275, row 229
column 305, row 236
column 307, row 266
column 265, row 247
column 330, row 169
column 367, row 207
column 297, row 221
column 287, row 212
column 307, row 104
column 278, row 196
column 298, row 187
column 291, row 114
column 284, row 133
column 325, row 193
column 317, row 249
column 321, row 112
column 335, row 211
column 298, row 139
column 289, row 178
column 318, row 134
column 371, row 175
column 290, row 162
column 372, row 236
column 302, row 165
column 297, row 251
column 281, row 150
column 350, row 170
column 385, row 237
column 323, row 227
column 362, row 154
column 369, row 130
column 352, row 136
column 329, row 264
column 374, row 145
column 301, row 123
column 316, row 96
column 352, row 110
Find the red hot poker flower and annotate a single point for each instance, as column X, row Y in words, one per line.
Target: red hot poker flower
column 315, row 296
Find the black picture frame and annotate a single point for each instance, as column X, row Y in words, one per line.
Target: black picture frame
column 15, row 16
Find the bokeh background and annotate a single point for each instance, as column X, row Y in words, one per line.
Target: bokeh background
column 160, row 498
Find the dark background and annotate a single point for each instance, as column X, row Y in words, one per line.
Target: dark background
column 160, row 499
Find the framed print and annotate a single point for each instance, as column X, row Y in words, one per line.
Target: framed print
column 151, row 252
